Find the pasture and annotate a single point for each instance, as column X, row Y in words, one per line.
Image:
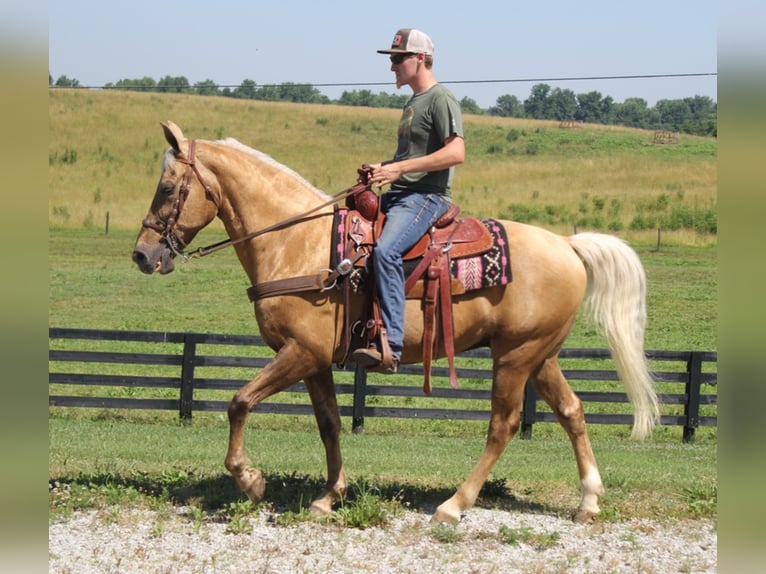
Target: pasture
column 112, row 144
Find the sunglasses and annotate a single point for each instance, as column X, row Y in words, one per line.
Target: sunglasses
column 397, row 59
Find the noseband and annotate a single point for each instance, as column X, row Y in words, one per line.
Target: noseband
column 167, row 229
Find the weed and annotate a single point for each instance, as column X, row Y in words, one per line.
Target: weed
column 238, row 512
column 494, row 148
column 365, row 510
column 525, row 535
column 198, row 516
column 702, row 500
column 446, row 534
column 61, row 211
column 239, row 525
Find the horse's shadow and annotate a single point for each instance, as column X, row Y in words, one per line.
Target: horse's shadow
column 294, row 492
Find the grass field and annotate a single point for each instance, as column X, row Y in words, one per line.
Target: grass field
column 105, row 148
column 104, row 153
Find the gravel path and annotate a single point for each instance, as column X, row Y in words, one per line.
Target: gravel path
column 144, row 541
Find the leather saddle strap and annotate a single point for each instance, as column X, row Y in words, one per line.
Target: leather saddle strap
column 437, row 309
column 445, row 312
column 429, row 322
column 286, row 286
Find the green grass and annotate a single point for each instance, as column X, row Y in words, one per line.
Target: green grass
column 98, row 463
column 105, row 149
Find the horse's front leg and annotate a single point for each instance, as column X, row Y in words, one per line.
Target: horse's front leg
column 323, row 399
column 289, row 366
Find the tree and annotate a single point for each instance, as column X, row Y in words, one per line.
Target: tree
column 536, row 105
column 592, row 108
column 561, row 105
column 64, row 82
column 206, row 88
column 301, row 93
column 177, row 85
column 704, row 116
column 143, row 84
column 357, row 98
column 469, row 106
column 673, row 114
column 245, row 91
column 633, row 112
column 507, row 106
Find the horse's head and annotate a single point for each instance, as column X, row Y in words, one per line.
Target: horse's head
column 183, row 204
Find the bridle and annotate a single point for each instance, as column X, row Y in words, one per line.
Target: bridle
column 167, row 229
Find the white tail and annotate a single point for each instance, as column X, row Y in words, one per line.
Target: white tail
column 616, row 300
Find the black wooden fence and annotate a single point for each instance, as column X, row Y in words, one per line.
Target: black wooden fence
column 689, row 376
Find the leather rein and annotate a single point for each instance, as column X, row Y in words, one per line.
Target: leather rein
column 326, row 279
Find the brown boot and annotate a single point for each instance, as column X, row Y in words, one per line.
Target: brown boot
column 371, row 358
column 366, row 356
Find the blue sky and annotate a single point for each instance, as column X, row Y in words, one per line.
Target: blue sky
column 335, row 42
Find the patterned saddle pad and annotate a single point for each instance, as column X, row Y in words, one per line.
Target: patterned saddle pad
column 492, row 268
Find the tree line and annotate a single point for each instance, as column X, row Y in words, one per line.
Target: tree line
column 697, row 115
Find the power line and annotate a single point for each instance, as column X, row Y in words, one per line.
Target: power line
column 497, row 81
column 522, row 80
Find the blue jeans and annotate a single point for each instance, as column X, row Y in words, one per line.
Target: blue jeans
column 409, row 215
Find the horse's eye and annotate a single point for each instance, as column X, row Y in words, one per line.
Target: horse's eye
column 167, row 188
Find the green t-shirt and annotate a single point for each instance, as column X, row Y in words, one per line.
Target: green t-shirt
column 428, row 119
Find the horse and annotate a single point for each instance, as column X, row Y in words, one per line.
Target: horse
column 280, row 225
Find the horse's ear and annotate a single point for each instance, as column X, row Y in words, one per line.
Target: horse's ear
column 173, row 134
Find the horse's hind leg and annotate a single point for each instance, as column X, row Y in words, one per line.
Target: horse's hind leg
column 324, row 401
column 551, row 385
column 507, row 398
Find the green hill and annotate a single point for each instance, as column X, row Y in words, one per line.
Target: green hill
column 105, row 149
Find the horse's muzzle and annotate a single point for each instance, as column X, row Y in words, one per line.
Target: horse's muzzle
column 151, row 260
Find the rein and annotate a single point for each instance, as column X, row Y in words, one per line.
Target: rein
column 202, row 251
column 361, row 185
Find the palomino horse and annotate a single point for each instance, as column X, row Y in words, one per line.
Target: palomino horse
column 524, row 323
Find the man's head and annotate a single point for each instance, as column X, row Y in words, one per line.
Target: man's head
column 409, row 44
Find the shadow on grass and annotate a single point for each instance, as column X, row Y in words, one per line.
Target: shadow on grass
column 284, row 492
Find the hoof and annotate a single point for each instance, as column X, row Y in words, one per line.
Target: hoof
column 445, row 516
column 252, row 483
column 321, row 507
column 584, row 517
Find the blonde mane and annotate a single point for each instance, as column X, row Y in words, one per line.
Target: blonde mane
column 236, row 144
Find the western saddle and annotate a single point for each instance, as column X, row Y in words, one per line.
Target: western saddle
column 452, row 237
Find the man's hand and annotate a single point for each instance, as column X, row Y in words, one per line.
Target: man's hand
column 385, row 173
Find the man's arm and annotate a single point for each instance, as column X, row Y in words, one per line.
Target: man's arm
column 452, row 153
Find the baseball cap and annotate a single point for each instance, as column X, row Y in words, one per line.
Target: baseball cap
column 410, row 41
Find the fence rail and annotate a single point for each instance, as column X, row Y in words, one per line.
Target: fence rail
column 694, row 403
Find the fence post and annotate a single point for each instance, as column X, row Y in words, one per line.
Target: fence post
column 360, row 394
column 693, row 384
column 185, row 407
column 529, row 412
